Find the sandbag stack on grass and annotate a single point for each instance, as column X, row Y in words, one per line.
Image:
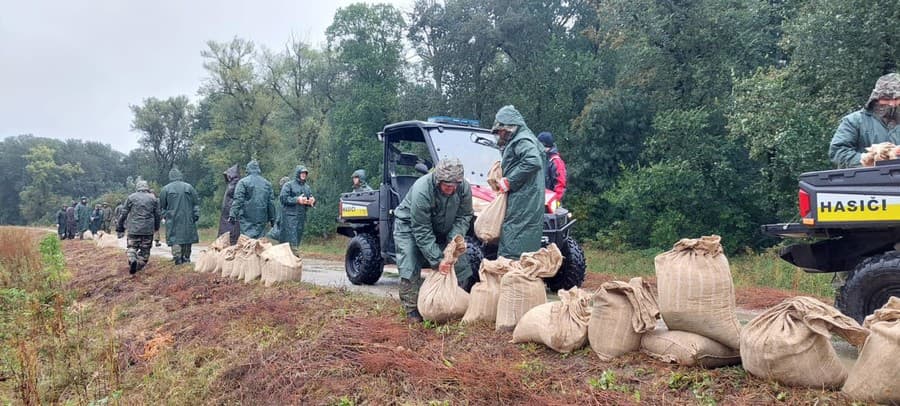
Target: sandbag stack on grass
column 280, row 265
column 622, row 313
column 562, row 326
column 688, row 349
column 696, row 291
column 105, row 240
column 876, row 375
column 490, row 219
column 207, row 261
column 440, row 298
column 247, row 262
column 485, row 294
column 791, row 343
column 226, row 258
column 522, row 288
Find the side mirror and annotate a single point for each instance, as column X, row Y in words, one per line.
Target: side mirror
column 421, row 168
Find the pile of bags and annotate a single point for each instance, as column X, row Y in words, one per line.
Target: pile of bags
column 210, row 259
column 521, row 288
column 105, row 240
column 250, row 259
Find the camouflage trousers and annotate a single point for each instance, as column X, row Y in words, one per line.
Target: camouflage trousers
column 409, row 293
column 181, row 253
column 139, row 249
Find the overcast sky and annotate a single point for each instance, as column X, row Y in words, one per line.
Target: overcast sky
column 70, row 69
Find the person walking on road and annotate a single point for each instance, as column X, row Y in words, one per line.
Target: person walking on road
column 179, row 205
column 141, row 212
column 523, row 181
column 253, row 204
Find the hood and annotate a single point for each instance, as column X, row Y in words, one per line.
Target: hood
column 887, row 86
column 83, row 198
column 231, row 173
column 298, row 170
column 142, row 186
column 174, row 175
column 508, row 115
column 361, row 174
column 253, row 168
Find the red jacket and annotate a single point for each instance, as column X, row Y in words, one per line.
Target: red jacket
column 556, row 173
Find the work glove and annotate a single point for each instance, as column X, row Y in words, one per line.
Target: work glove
column 503, row 185
column 867, row 159
column 231, row 220
column 312, row 201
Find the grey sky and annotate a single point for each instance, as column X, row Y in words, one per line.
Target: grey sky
column 70, row 69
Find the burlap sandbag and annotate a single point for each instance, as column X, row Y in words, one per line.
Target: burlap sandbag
column 248, row 264
column 876, row 375
column 206, row 261
column 791, row 343
column 485, row 294
column 562, row 325
column 280, row 265
column 522, row 287
column 489, row 221
column 688, row 349
column 88, row 235
column 222, row 242
column 696, row 292
column 227, row 258
column 622, row 313
column 440, row 298
column 107, row 240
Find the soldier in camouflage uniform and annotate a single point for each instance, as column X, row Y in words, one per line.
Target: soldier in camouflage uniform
column 142, row 214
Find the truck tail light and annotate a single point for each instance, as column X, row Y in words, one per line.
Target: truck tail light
column 340, row 208
column 803, row 200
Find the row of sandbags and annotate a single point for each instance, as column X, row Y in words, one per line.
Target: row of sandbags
column 103, row 239
column 250, row 259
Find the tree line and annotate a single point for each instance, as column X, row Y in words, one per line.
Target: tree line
column 675, row 118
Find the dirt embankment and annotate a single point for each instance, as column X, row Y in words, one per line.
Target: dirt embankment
column 186, row 337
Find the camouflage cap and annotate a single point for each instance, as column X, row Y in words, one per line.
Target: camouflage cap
column 887, row 87
column 449, row 170
column 142, row 185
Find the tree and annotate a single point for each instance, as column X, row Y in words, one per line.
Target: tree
column 167, row 131
column 41, row 198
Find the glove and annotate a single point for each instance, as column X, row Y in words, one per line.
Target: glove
column 312, row 201
column 867, row 159
column 503, row 185
column 196, row 218
column 231, row 220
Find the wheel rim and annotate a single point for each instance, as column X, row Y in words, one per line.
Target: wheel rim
column 877, row 300
column 354, row 261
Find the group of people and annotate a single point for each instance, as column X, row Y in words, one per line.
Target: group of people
column 75, row 220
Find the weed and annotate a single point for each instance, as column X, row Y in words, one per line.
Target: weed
column 345, row 401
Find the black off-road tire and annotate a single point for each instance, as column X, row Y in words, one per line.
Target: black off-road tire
column 476, row 255
column 363, row 262
column 573, row 268
column 870, row 285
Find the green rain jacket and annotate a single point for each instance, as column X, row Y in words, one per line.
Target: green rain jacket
column 432, row 218
column 180, row 206
column 363, row 186
column 141, row 212
column 253, row 204
column 83, row 216
column 523, row 166
column 293, row 215
column 857, row 131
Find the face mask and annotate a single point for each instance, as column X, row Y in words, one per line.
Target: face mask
column 886, row 113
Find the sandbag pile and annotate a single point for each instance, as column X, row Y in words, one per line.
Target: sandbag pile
column 490, row 219
column 105, row 240
column 622, row 313
column 486, row 293
column 440, row 297
column 876, row 375
column 247, row 262
column 790, row 343
column 280, row 265
column 522, row 288
column 227, row 256
column 562, row 326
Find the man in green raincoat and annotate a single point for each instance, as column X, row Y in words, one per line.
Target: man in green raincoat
column 875, row 123
column 359, row 181
column 253, row 203
column 437, row 208
column 83, row 217
column 523, row 180
column 179, row 204
column 141, row 212
column 296, row 197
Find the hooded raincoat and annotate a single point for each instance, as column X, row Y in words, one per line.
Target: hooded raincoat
column 253, row 203
column 293, row 214
column 179, row 204
column 61, row 223
column 426, row 221
column 96, row 220
column 232, row 176
column 71, row 223
column 83, row 216
column 523, row 166
column 863, row 128
column 363, row 185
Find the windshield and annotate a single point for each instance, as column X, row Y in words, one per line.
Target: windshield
column 473, row 148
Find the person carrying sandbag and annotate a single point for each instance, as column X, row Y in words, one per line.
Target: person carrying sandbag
column 437, row 208
column 440, row 298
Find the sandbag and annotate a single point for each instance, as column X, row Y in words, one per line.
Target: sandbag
column 522, row 287
column 562, row 325
column 490, row 219
column 876, row 375
column 688, row 349
column 206, row 261
column 87, row 235
column 248, row 260
column 485, row 294
column 280, row 265
column 226, row 257
column 222, row 242
column 107, row 240
column 440, row 297
column 696, row 291
column 791, row 343
column 622, row 313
